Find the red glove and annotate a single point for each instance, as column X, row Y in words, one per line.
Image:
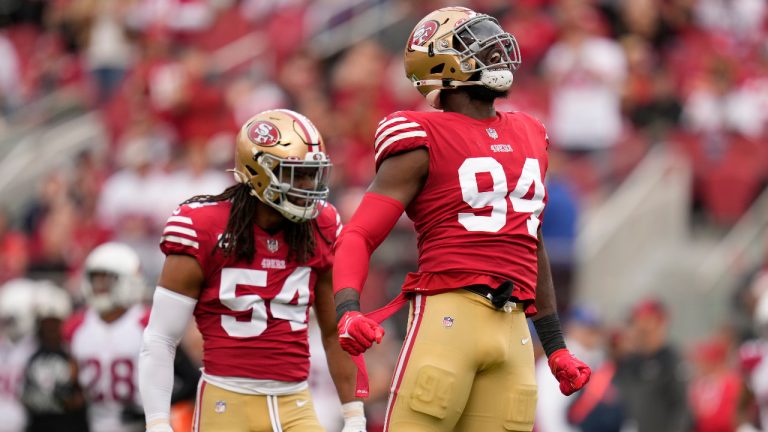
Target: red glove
column 571, row 372
column 357, row 332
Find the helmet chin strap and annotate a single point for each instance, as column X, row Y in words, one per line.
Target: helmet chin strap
column 499, row 80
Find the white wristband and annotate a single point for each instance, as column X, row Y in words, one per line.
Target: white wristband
column 354, row 416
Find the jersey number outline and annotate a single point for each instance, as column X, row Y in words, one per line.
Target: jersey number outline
column 296, row 314
column 497, row 197
column 120, row 373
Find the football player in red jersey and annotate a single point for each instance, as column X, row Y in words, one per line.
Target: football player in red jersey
column 247, row 264
column 472, row 181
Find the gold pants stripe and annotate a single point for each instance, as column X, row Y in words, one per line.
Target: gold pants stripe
column 198, row 399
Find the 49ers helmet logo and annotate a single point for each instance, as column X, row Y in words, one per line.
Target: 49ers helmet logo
column 264, row 133
column 424, row 32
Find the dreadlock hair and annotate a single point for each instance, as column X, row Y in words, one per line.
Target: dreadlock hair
column 238, row 239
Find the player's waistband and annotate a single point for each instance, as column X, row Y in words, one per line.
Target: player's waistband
column 252, row 386
column 500, row 297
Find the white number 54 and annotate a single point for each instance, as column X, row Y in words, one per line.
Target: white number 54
column 295, row 286
column 497, row 197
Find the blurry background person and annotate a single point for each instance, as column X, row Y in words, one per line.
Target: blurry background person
column 753, row 356
column 584, row 336
column 105, row 339
column 601, row 406
column 17, row 345
column 652, row 378
column 51, row 393
column 715, row 389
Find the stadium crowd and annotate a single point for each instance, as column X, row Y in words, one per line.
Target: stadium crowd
column 173, row 79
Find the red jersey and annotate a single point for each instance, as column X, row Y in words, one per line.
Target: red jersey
column 252, row 316
column 477, row 215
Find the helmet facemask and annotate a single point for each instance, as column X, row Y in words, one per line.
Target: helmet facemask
column 101, row 290
column 295, row 186
column 112, row 278
column 472, row 42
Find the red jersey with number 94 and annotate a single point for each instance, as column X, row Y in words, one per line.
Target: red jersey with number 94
column 252, row 316
column 477, row 216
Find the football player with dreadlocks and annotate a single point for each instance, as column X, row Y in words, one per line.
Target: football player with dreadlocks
column 472, row 180
column 247, row 264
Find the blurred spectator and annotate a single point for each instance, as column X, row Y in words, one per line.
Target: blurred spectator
column 193, row 176
column 133, row 191
column 534, row 29
column 10, row 77
column 717, row 103
column 652, row 378
column 247, row 95
column 184, row 95
column 744, row 19
column 583, row 334
column 559, row 231
column 600, row 407
column 52, row 241
column 650, row 101
column 97, row 28
column 587, row 73
column 178, row 16
column 714, row 391
column 14, row 251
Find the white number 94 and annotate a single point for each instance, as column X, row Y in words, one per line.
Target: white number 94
column 497, row 197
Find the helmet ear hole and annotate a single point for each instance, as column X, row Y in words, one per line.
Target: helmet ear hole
column 250, row 170
column 438, row 69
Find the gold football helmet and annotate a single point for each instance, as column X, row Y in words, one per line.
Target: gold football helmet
column 281, row 156
column 443, row 52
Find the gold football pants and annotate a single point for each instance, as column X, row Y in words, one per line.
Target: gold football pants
column 220, row 410
column 464, row 366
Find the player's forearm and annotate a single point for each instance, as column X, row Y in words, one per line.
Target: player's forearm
column 370, row 225
column 546, row 321
column 171, row 313
column 342, row 369
column 546, row 303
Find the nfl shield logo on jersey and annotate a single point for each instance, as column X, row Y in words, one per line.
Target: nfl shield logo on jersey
column 492, row 133
column 220, row 407
column 272, row 245
column 447, row 321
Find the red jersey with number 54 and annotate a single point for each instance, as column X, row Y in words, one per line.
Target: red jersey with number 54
column 252, row 316
column 477, row 216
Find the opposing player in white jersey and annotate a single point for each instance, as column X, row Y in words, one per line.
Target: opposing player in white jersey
column 17, row 321
column 753, row 356
column 105, row 338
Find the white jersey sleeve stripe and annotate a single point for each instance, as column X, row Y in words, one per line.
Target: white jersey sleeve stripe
column 389, row 122
column 181, row 240
column 388, row 131
column 180, row 219
column 177, row 229
column 396, row 138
